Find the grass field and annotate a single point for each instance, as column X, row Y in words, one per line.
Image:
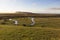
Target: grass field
column 44, row 29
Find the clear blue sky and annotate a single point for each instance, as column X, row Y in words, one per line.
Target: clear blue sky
column 29, row 5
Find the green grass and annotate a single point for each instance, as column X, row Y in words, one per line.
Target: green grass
column 44, row 29
column 28, row 33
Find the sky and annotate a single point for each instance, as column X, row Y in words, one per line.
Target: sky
column 35, row 6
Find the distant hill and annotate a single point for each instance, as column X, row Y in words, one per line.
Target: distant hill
column 28, row 14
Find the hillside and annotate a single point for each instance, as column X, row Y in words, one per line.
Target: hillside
column 28, row 33
column 28, row 14
column 44, row 29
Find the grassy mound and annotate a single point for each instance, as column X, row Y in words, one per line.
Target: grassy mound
column 28, row 33
column 44, row 29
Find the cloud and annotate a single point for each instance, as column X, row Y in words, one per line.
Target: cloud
column 48, row 10
column 54, row 8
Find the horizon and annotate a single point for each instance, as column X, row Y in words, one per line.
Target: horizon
column 27, row 12
column 34, row 6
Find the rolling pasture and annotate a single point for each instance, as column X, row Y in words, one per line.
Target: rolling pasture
column 44, row 29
